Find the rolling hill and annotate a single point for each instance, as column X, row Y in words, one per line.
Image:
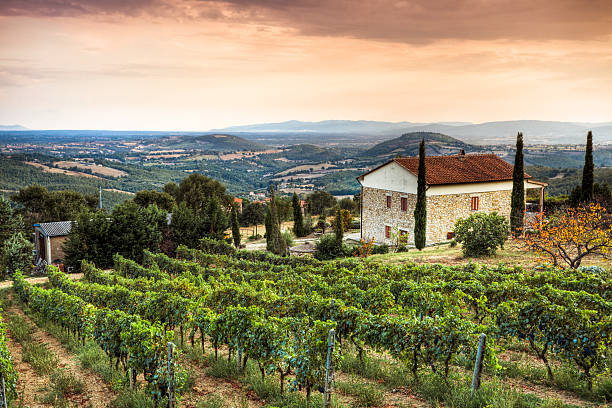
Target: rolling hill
column 311, row 152
column 408, row 145
column 221, row 143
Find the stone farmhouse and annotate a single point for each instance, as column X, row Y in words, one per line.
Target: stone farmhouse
column 457, row 186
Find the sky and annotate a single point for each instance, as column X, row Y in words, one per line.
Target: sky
column 202, row 64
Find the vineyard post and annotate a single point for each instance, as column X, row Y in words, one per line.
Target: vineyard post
column 329, row 369
column 482, row 344
column 171, row 390
column 131, row 375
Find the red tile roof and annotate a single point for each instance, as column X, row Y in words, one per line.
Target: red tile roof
column 457, row 169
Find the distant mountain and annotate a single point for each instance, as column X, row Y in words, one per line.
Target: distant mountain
column 311, row 152
column 222, row 143
column 408, row 145
column 326, row 126
column 12, row 127
column 503, row 132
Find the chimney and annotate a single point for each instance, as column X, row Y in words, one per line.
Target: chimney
column 462, row 155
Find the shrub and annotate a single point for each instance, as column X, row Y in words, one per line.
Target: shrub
column 481, row 234
column 329, row 248
column 287, row 236
column 218, row 247
column 380, row 249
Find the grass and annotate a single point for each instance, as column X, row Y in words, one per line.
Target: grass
column 63, row 385
column 511, row 254
column 222, row 368
column 392, row 374
column 20, row 330
column 366, row 395
column 39, row 357
column 133, row 399
column 456, row 393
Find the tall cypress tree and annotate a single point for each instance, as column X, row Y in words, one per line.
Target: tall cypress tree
column 235, row 227
column 420, row 209
column 298, row 221
column 587, row 172
column 275, row 241
column 517, row 202
column 339, row 227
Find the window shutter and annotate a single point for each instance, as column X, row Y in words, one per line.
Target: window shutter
column 404, row 204
column 387, row 231
column 388, row 201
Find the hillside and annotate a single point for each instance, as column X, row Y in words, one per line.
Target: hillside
column 311, row 152
column 221, row 143
column 408, row 145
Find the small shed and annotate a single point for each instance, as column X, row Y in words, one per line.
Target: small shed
column 49, row 238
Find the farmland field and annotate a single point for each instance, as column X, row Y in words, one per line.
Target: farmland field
column 252, row 329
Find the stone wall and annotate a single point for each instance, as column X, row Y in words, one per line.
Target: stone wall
column 442, row 212
column 376, row 214
column 56, row 248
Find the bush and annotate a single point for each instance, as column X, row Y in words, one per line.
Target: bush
column 329, row 248
column 287, row 236
column 217, row 247
column 481, row 234
column 380, row 249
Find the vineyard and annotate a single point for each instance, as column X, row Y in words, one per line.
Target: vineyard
column 272, row 315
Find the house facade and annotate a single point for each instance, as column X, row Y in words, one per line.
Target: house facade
column 49, row 237
column 457, row 186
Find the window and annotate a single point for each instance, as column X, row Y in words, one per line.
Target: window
column 475, row 202
column 387, row 231
column 404, row 204
column 403, row 238
column 388, row 201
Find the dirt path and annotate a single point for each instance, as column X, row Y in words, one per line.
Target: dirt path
column 42, row 279
column 230, row 391
column 29, row 383
column 97, row 392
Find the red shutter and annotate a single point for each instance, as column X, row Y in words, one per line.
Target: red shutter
column 388, row 201
column 475, row 203
column 404, row 204
column 387, row 231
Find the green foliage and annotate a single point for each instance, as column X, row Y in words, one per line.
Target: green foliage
column 586, row 188
column 10, row 221
column 197, row 190
column 517, row 202
column 287, row 237
column 40, row 205
column 162, row 200
column 298, row 219
column 420, row 208
column 253, row 214
column 9, row 374
column 212, row 246
column 235, row 227
column 339, row 227
column 319, row 201
column 215, row 222
column 16, row 254
column 129, row 230
column 481, row 234
column 187, row 227
column 274, row 240
column 329, row 248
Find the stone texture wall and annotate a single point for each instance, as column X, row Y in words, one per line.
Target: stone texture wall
column 56, row 248
column 442, row 212
column 376, row 214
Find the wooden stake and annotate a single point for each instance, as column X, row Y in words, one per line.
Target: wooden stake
column 482, row 344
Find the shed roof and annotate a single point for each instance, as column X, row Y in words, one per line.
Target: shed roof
column 55, row 229
column 458, row 169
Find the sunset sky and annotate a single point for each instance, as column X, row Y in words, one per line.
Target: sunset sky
column 199, row 64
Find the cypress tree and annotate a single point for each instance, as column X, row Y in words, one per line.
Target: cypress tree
column 338, row 227
column 587, row 173
column 517, row 202
column 420, row 209
column 235, row 227
column 275, row 241
column 268, row 225
column 298, row 221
